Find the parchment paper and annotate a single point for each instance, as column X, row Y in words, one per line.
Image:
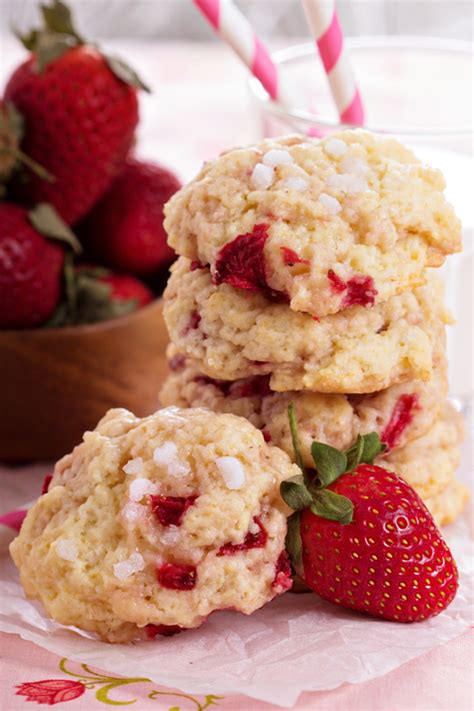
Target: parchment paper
column 296, row 643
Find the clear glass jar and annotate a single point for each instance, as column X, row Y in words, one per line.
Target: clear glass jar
column 418, row 90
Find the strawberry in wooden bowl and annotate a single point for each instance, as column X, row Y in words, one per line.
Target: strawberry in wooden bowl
column 76, row 337
column 125, row 229
column 30, row 270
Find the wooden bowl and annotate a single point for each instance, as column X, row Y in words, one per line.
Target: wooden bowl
column 57, row 383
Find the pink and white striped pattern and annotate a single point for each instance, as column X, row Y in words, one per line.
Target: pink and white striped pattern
column 324, row 24
column 236, row 30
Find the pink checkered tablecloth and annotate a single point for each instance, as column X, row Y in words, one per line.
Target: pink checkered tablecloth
column 206, row 84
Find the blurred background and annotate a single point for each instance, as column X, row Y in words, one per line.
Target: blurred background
column 196, row 79
column 178, row 20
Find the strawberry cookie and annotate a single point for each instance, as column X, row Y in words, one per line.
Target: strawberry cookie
column 446, row 506
column 152, row 524
column 353, row 219
column 234, row 333
column 430, row 462
column 399, row 414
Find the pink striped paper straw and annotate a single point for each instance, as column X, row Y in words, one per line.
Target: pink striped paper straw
column 10, row 524
column 236, row 30
column 324, row 24
column 13, row 519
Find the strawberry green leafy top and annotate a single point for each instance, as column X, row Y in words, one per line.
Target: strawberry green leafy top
column 58, row 34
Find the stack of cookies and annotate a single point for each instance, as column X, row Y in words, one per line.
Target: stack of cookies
column 306, row 276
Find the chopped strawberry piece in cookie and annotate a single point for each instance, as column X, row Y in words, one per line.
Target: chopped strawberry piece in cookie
column 337, row 284
column 177, row 576
column 169, row 510
column 153, row 631
column 197, row 265
column 195, row 320
column 360, row 289
column 193, row 323
column 290, row 258
column 253, row 387
column 253, row 539
column 177, row 362
column 402, row 416
column 222, row 385
column 282, row 577
column 241, row 263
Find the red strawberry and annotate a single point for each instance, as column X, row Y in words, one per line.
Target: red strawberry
column 360, row 289
column 125, row 229
column 362, row 538
column 177, row 576
column 257, row 539
column 30, row 271
column 163, row 630
column 283, row 577
column 241, row 263
column 127, row 288
column 80, row 111
column 401, row 417
column 169, row 510
column 94, row 294
column 290, row 257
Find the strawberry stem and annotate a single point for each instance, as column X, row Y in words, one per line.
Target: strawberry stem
column 57, row 18
column 330, row 462
column 296, row 440
column 303, row 492
column 58, row 35
column 294, row 544
column 364, row 450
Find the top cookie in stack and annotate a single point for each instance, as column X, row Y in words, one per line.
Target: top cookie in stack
column 325, row 247
column 321, row 225
column 307, row 263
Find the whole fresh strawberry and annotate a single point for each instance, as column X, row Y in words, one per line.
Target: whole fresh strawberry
column 125, row 228
column 362, row 538
column 30, row 270
column 80, row 112
column 125, row 288
column 95, row 294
